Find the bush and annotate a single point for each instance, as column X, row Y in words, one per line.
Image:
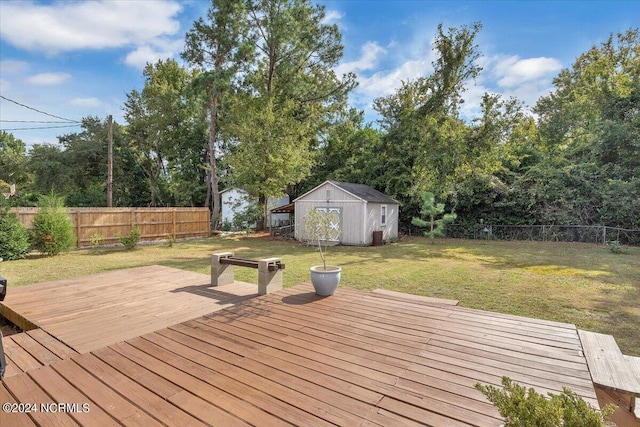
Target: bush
column 526, row 408
column 14, row 237
column 52, row 227
column 615, row 247
column 130, row 241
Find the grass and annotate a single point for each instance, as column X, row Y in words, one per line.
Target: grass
column 583, row 284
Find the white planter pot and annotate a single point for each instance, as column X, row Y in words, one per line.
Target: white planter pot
column 325, row 282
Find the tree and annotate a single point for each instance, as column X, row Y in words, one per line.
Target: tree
column 426, row 141
column 590, row 132
column 431, row 210
column 12, row 159
column 287, row 97
column 220, row 49
column 50, row 172
column 162, row 124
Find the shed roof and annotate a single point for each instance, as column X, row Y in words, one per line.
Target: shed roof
column 359, row 191
column 364, row 192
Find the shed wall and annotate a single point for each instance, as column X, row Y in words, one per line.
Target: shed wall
column 390, row 230
column 353, row 212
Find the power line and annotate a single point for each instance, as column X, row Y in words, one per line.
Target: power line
column 45, row 127
column 39, row 111
column 28, row 121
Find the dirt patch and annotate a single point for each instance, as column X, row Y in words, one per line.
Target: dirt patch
column 8, row 328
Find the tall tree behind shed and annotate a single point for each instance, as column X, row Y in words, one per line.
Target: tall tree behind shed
column 287, row 97
column 219, row 48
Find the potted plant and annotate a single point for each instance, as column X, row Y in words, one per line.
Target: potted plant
column 322, row 228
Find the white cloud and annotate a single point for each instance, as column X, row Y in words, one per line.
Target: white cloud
column 152, row 52
column 48, row 79
column 11, row 66
column 513, row 71
column 371, row 51
column 66, row 26
column 85, row 102
column 4, row 85
column 332, row 16
column 526, row 79
column 387, row 81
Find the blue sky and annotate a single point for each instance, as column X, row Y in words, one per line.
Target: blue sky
column 74, row 59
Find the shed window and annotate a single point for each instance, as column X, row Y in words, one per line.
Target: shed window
column 328, row 194
column 383, row 215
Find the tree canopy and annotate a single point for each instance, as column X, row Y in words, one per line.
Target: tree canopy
column 260, row 106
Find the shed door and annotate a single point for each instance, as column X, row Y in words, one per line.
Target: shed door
column 335, row 215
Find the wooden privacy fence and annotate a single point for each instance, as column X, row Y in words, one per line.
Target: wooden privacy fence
column 111, row 223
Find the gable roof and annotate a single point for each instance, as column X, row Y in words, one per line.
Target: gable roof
column 359, row 191
column 364, row 192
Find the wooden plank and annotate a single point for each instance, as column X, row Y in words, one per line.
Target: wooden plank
column 77, row 405
column 607, row 364
column 621, row 416
column 42, row 354
column 25, row 390
column 18, row 356
column 152, row 403
column 12, row 418
column 53, row 345
column 227, row 390
column 116, row 304
column 105, row 397
column 414, row 298
column 308, row 395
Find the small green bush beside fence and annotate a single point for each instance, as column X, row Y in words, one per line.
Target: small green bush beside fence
column 52, row 227
column 14, row 237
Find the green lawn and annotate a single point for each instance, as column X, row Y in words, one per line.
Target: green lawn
column 577, row 283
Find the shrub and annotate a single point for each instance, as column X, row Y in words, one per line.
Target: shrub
column 14, row 237
column 615, row 247
column 52, row 227
column 131, row 240
column 526, row 408
column 96, row 239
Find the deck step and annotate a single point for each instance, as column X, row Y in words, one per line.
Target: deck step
column 608, row 366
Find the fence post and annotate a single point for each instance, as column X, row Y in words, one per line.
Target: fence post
column 78, row 227
column 604, row 234
column 173, row 220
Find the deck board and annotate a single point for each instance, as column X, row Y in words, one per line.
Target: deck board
column 289, row 358
column 609, row 367
column 120, row 304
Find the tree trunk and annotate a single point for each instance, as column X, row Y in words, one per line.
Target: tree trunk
column 262, row 223
column 213, row 168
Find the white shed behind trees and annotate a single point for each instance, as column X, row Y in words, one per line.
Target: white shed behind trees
column 361, row 210
column 236, row 200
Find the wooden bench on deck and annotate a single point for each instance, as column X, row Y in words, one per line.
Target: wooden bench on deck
column 610, row 369
column 269, row 271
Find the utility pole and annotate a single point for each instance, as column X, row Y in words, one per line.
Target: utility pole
column 110, row 161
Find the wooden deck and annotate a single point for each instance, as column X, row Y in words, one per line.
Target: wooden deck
column 88, row 313
column 293, row 358
column 33, row 349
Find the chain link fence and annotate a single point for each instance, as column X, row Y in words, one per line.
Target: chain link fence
column 547, row 233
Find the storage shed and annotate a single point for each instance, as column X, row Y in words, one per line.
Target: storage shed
column 360, row 209
column 236, row 200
